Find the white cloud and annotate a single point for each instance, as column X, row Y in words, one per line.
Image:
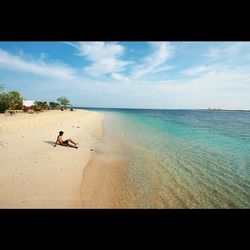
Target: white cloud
column 213, row 53
column 39, row 67
column 196, row 70
column 223, row 87
column 105, row 57
column 162, row 68
column 43, row 56
column 229, row 51
column 211, row 84
column 155, row 62
column 97, row 50
column 119, row 77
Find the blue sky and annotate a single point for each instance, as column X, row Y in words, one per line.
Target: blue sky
column 130, row 74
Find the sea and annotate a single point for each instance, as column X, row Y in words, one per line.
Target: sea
column 182, row 158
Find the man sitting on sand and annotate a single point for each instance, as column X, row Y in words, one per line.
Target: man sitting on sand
column 68, row 142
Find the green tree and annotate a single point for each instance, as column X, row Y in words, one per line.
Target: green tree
column 37, row 106
column 64, row 102
column 41, row 106
column 3, row 106
column 54, row 105
column 14, row 99
column 1, row 87
column 45, row 106
column 4, row 102
column 8, row 100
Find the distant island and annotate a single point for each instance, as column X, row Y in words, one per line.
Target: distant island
column 217, row 109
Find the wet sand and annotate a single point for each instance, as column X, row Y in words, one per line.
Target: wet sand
column 105, row 182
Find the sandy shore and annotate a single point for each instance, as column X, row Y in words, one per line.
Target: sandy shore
column 33, row 173
column 105, row 182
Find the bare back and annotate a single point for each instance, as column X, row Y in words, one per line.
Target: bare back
column 59, row 139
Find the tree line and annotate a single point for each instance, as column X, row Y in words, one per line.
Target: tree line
column 13, row 101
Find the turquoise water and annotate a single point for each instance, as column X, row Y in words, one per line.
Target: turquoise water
column 184, row 158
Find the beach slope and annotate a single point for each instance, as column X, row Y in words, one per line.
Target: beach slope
column 33, row 173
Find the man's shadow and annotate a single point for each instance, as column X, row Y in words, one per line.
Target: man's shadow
column 50, row 142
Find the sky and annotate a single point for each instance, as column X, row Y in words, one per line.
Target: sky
column 164, row 75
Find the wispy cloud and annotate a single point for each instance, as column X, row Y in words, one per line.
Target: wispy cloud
column 120, row 77
column 38, row 67
column 105, row 58
column 228, row 52
column 218, row 79
column 224, row 87
column 227, row 59
column 196, row 70
column 156, row 61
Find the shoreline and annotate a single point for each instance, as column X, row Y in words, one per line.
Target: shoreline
column 131, row 170
column 33, row 173
column 105, row 180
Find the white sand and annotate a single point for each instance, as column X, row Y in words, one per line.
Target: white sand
column 33, row 173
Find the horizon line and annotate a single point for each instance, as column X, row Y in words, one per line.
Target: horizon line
column 211, row 109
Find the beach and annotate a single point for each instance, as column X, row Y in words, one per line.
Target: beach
column 140, row 159
column 33, row 173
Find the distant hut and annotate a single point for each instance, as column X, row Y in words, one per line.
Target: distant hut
column 27, row 104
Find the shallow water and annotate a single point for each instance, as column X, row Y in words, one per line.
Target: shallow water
column 183, row 158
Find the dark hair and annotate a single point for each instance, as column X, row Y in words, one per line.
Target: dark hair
column 61, row 133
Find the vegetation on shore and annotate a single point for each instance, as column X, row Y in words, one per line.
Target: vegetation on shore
column 64, row 102
column 54, row 105
column 12, row 101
